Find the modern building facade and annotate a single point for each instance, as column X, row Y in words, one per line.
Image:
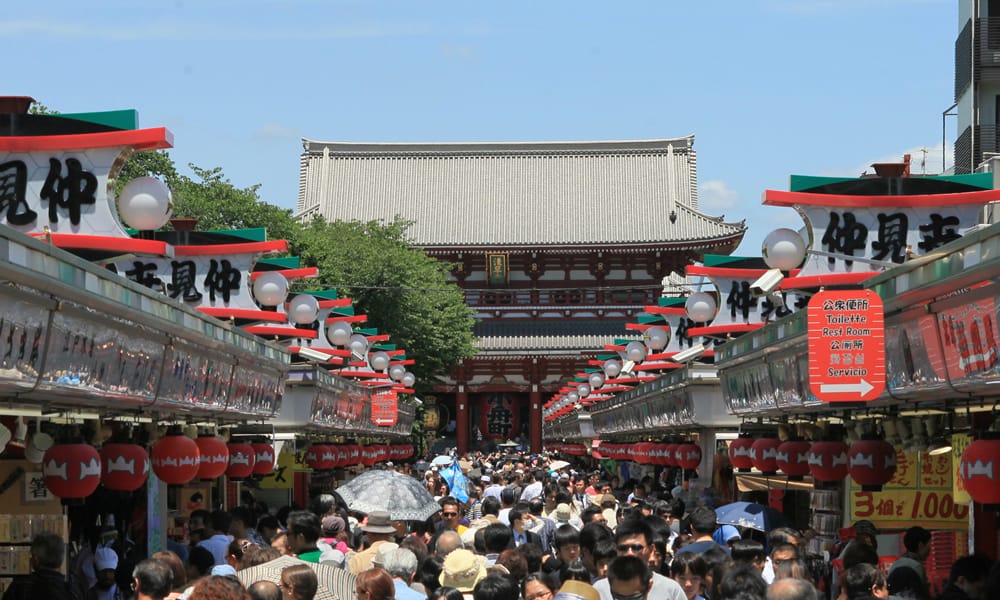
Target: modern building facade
column 555, row 244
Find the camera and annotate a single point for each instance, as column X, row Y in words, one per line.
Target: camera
column 766, row 283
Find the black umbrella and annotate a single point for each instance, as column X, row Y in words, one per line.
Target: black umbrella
column 402, row 496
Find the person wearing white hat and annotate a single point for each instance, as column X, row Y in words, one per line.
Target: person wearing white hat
column 105, row 565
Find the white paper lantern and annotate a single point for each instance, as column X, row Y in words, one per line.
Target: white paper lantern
column 339, row 333
column 358, row 344
column 635, row 352
column 303, row 309
column 270, row 288
column 596, row 380
column 612, row 368
column 700, row 307
column 657, row 338
column 583, row 389
column 145, row 204
column 572, row 398
column 408, row 379
column 379, row 360
column 396, row 372
column 783, row 249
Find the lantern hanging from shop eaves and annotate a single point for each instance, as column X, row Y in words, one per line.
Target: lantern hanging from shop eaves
column 72, row 471
column 124, row 467
column 175, row 459
column 687, row 456
column 871, row 463
column 321, row 457
column 241, row 460
column 739, row 454
column 764, row 455
column 828, row 461
column 669, row 459
column 263, row 458
column 980, row 471
column 213, row 457
column 793, row 458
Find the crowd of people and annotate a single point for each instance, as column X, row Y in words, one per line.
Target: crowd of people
column 525, row 531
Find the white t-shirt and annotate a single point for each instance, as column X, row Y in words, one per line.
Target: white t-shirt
column 662, row 589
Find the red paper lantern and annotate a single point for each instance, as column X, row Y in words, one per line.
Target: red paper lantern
column 739, row 454
column 321, row 457
column 658, row 455
column 828, row 461
column 124, row 467
column 355, row 455
column 72, row 470
column 871, row 463
column 980, row 471
column 668, row 455
column 241, row 461
column 175, row 459
column 343, row 456
column 214, row 457
column 687, row 456
column 793, row 458
column 764, row 455
column 263, row 458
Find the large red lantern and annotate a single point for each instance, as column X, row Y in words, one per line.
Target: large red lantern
column 321, row 457
column 687, row 456
column 241, row 461
column 871, row 463
column 828, row 461
column 343, row 456
column 764, row 455
column 72, row 470
column 793, row 458
column 739, row 454
column 175, row 459
column 980, row 471
column 124, row 467
column 263, row 458
column 669, row 459
column 214, row 457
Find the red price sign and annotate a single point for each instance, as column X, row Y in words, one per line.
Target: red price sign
column 846, row 346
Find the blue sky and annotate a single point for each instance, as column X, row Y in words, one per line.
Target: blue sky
column 769, row 88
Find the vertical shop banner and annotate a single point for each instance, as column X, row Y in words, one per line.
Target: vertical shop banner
column 920, row 491
column 959, row 442
column 156, row 514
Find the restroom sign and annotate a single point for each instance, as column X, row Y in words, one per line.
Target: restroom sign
column 846, row 346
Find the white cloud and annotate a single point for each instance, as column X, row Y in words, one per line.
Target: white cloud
column 715, row 196
column 275, row 131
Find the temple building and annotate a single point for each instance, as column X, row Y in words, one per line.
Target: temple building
column 556, row 245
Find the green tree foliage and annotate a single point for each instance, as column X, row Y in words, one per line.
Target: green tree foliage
column 402, row 290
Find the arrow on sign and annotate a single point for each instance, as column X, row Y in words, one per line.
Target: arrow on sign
column 862, row 387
